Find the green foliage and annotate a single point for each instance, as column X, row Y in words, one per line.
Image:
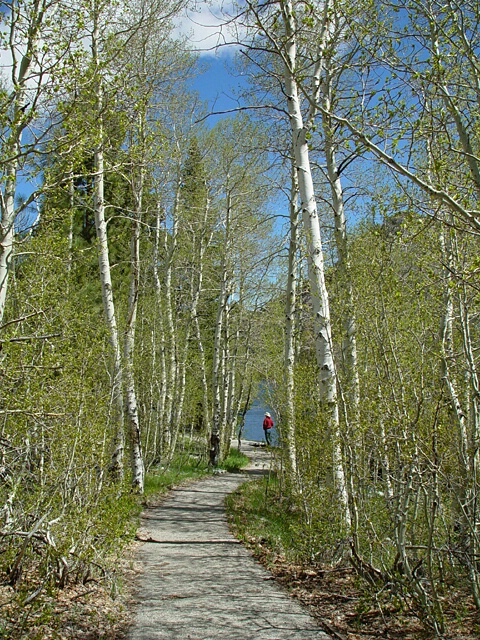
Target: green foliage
column 186, row 465
column 409, row 450
column 405, row 473
column 235, row 461
column 64, row 519
column 261, row 516
column 262, row 513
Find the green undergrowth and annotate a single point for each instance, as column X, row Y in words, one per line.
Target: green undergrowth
column 186, row 467
column 183, row 468
column 259, row 516
column 235, row 461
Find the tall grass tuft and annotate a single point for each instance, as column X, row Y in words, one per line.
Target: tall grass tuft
column 235, row 461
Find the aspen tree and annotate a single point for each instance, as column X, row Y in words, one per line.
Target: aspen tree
column 276, row 30
column 103, row 246
column 196, row 231
column 162, row 391
column 449, row 31
column 203, row 243
column 170, row 248
column 290, row 328
column 132, row 27
column 218, row 345
column 321, row 308
column 144, row 63
column 240, row 186
column 33, row 45
column 202, row 234
column 138, row 470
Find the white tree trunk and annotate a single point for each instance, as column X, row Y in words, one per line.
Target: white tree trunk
column 288, row 430
column 109, row 308
column 323, row 336
column 71, row 204
column 204, row 240
column 171, row 377
column 18, row 122
column 343, row 264
column 201, row 240
column 105, row 274
column 162, row 390
column 467, row 414
column 7, row 230
column 218, row 349
column 231, row 389
column 448, row 351
column 216, row 382
column 225, row 377
column 138, row 468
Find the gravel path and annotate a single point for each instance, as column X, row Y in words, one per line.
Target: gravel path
column 198, row 583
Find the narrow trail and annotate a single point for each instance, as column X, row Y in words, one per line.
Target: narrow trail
column 198, row 582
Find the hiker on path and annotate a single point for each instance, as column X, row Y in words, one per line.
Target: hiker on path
column 267, row 426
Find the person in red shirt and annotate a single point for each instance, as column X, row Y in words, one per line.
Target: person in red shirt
column 267, row 426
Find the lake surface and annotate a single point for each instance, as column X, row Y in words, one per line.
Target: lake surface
column 253, row 429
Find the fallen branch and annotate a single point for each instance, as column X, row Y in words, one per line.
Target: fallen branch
column 4, row 412
column 16, row 320
column 365, row 569
column 329, row 629
column 145, row 538
column 30, row 338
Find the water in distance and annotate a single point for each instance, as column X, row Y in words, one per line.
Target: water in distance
column 253, row 429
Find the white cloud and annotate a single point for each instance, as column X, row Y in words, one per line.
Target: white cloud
column 210, row 28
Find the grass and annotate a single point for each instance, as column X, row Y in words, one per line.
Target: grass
column 235, row 461
column 185, row 467
column 182, row 468
column 260, row 517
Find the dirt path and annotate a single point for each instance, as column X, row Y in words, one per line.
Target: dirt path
column 198, row 583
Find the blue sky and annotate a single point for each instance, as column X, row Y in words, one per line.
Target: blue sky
column 205, row 30
column 217, row 85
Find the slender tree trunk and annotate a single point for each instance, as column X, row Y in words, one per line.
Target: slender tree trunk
column 351, row 399
column 138, row 469
column 323, row 336
column 162, row 387
column 171, row 378
column 385, row 461
column 448, row 354
column 177, row 414
column 203, row 374
column 288, row 428
column 7, row 229
column 105, row 274
column 240, row 404
column 71, row 204
column 225, row 377
column 467, row 414
column 230, row 404
column 18, row 122
column 349, row 350
column 201, row 240
column 218, row 350
column 242, row 410
column 451, row 105
column 204, row 241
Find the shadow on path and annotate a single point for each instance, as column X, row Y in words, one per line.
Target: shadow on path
column 199, row 583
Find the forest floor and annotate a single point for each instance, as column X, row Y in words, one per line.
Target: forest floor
column 192, row 580
column 349, row 611
column 176, row 564
column 334, row 596
column 197, row 582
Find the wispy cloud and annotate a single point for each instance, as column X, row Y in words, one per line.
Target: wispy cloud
column 210, row 28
